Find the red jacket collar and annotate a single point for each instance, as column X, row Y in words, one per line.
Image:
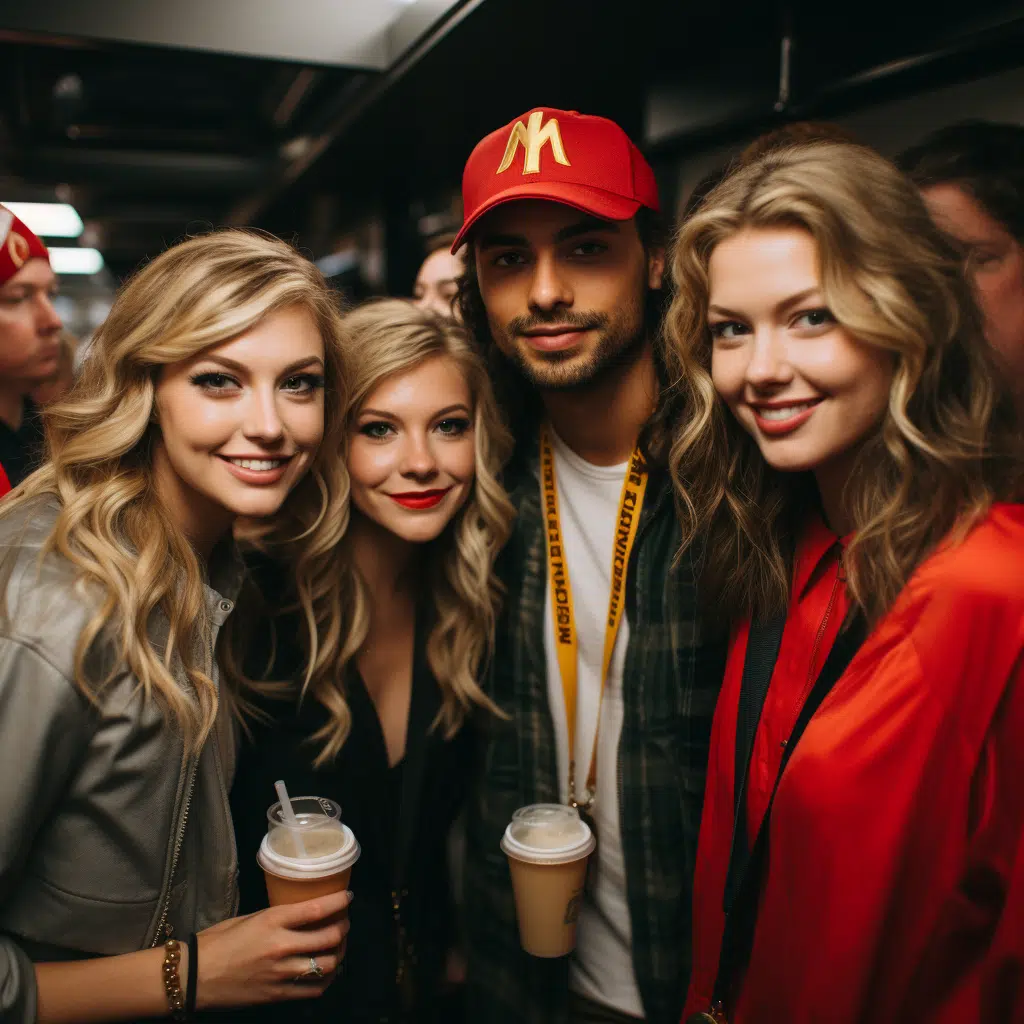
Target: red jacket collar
column 814, row 548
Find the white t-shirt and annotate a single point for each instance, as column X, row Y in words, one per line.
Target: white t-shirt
column 588, row 501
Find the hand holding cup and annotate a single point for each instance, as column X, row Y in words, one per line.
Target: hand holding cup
column 265, row 957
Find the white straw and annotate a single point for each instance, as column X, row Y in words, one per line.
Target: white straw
column 289, row 815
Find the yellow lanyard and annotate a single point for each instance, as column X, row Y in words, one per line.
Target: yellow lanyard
column 566, row 643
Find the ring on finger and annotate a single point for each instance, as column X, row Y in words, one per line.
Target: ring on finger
column 313, row 971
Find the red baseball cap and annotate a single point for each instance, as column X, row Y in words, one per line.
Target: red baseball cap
column 18, row 245
column 585, row 162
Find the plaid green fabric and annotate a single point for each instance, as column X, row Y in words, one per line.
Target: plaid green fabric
column 673, row 671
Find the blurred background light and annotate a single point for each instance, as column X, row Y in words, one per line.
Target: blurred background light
column 76, row 261
column 49, row 220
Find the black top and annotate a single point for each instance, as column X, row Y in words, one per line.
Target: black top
column 22, row 450
column 370, row 794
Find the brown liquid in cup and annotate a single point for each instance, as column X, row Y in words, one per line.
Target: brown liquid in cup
column 294, row 890
column 548, row 898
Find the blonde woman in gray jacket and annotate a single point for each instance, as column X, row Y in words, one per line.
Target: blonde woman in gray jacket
column 213, row 391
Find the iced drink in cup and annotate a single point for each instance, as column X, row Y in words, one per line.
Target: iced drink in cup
column 547, row 846
column 308, row 852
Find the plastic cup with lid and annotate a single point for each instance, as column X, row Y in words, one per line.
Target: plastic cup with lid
column 548, row 846
column 308, row 852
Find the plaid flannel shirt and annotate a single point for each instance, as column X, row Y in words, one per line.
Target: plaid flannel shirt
column 671, row 678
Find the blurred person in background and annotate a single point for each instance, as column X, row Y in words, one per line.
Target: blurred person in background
column 701, row 190
column 794, row 134
column 391, row 737
column 853, row 466
column 563, row 291
column 437, row 282
column 57, row 386
column 206, row 395
column 972, row 178
column 786, row 135
column 29, row 344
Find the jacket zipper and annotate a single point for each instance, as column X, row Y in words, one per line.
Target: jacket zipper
column 811, row 677
column 179, row 839
column 231, row 900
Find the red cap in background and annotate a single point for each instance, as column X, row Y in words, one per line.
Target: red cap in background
column 585, row 162
column 18, row 245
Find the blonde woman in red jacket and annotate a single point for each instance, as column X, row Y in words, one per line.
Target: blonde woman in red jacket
column 851, row 453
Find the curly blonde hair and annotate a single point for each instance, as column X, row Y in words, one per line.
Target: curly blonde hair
column 111, row 525
column 381, row 339
column 947, row 445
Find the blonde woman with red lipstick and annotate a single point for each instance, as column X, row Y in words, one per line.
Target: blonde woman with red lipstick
column 391, row 739
column 213, row 391
column 852, row 457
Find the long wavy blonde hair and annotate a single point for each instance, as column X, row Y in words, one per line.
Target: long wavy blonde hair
column 382, row 339
column 111, row 526
column 946, row 447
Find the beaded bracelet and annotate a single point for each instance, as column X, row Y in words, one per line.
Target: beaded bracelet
column 172, row 980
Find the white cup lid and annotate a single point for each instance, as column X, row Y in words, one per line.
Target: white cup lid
column 547, row 834
column 311, row 867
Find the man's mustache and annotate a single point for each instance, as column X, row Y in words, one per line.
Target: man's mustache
column 579, row 321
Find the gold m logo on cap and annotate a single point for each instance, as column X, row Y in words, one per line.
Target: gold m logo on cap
column 18, row 249
column 533, row 138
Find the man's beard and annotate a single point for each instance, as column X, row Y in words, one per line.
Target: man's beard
column 620, row 342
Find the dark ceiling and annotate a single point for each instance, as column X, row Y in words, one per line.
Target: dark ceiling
column 607, row 56
column 613, row 56
column 151, row 143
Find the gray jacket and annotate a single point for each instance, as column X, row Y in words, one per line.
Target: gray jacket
column 107, row 829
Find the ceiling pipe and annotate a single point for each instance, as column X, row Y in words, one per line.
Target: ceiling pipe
column 357, row 97
column 785, row 61
column 302, row 83
column 978, row 43
column 828, row 99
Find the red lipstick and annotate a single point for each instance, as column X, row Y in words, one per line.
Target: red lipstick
column 419, row 500
column 779, row 427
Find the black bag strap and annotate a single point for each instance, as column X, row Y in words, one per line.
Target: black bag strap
column 745, row 871
column 762, row 652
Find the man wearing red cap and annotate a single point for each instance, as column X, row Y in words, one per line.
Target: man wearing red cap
column 601, row 660
column 29, row 344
